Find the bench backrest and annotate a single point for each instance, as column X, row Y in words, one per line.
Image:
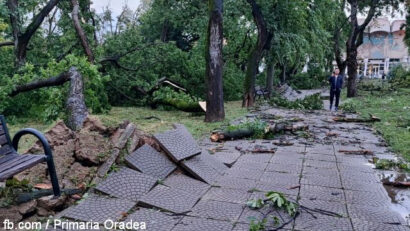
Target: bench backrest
column 5, row 142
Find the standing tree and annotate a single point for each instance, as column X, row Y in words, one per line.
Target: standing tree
column 214, row 64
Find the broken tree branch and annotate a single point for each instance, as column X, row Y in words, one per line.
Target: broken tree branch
column 357, row 152
column 358, row 120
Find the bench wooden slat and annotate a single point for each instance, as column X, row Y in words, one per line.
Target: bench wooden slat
column 9, row 164
column 5, row 158
column 5, row 150
column 3, row 140
column 21, row 166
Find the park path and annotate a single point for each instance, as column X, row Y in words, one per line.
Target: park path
column 341, row 192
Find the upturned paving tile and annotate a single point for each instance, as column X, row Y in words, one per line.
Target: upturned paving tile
column 178, row 143
column 187, row 184
column 194, row 223
column 99, row 209
column 228, row 158
column 169, row 199
column 202, row 169
column 154, row 220
column 218, row 210
column 147, row 160
column 127, row 184
column 220, row 167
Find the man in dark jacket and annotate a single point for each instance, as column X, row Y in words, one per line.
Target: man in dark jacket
column 336, row 83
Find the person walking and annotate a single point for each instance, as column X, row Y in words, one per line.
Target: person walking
column 336, row 83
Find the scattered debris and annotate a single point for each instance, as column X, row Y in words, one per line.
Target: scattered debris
column 332, row 134
column 357, row 152
column 397, row 184
column 282, row 143
column 357, row 120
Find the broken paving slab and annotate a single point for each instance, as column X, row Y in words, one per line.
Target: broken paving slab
column 217, row 210
column 194, row 223
column 201, row 168
column 228, row 158
column 147, row 160
column 154, row 219
column 170, row 199
column 99, row 209
column 127, row 184
column 187, row 184
column 178, row 144
column 215, row 163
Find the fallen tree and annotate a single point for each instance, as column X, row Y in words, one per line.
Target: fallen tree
column 250, row 131
column 371, row 119
column 75, row 105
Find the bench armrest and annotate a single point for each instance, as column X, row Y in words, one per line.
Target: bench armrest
column 34, row 132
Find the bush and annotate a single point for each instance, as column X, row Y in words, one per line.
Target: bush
column 399, row 77
column 349, row 106
column 312, row 102
column 314, row 78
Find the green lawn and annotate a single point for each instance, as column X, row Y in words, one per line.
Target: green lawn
column 393, row 108
column 138, row 115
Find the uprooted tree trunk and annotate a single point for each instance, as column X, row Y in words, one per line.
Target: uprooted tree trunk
column 80, row 31
column 75, row 104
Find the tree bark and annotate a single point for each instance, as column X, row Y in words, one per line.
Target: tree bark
column 264, row 38
column 282, row 76
column 76, row 109
column 214, row 64
column 21, row 40
column 269, row 79
column 80, row 31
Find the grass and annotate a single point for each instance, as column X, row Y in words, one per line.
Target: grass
column 393, row 108
column 138, row 115
column 194, row 123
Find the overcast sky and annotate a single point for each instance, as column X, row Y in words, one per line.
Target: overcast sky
column 114, row 5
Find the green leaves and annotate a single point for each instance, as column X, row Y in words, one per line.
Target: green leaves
column 255, row 203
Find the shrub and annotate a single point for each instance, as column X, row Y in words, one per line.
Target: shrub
column 349, row 106
column 400, row 77
column 312, row 102
column 314, row 78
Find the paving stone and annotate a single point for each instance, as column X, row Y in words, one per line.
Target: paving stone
column 366, row 198
column 306, row 221
column 201, row 169
column 178, row 144
column 362, row 176
column 325, row 181
column 258, row 158
column 320, row 164
column 261, row 195
column 217, row 210
column 374, row 214
column 194, row 223
column 376, row 226
column 325, row 172
column 99, row 209
column 227, row 195
column 320, row 149
column 127, row 184
column 228, row 158
column 215, row 163
column 287, row 160
column 286, row 189
column 147, row 160
column 331, row 206
column 358, row 185
column 235, row 183
column 245, row 174
column 250, row 165
column 361, row 168
column 170, row 199
column 154, row 220
column 291, row 168
column 187, row 184
column 257, row 215
column 280, row 178
column 240, row 227
column 322, row 157
column 311, row 192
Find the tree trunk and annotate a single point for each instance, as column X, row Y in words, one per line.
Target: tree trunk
column 282, row 76
column 76, row 109
column 21, row 40
column 352, row 73
column 264, row 38
column 269, row 79
column 164, row 31
column 80, row 31
column 214, row 64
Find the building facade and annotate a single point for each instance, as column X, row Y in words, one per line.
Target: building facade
column 383, row 48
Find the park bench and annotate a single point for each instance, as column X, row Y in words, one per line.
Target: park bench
column 12, row 163
column 260, row 91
